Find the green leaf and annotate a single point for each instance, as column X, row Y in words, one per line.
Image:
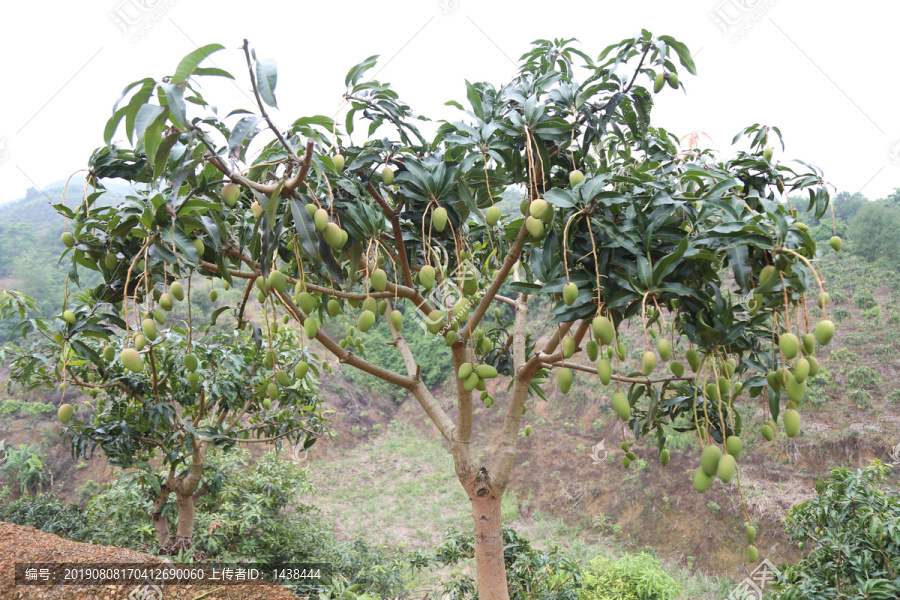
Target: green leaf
column 174, row 96
column 356, row 73
column 189, row 63
column 684, row 55
column 266, row 78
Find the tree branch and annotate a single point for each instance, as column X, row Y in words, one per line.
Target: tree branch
column 622, row 378
column 345, row 356
column 499, row 279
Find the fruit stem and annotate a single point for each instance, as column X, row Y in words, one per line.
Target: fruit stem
column 644, row 319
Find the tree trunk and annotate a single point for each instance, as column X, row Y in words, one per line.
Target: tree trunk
column 184, row 532
column 160, row 521
column 489, row 563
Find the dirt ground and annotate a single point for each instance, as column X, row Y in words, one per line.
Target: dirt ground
column 29, row 545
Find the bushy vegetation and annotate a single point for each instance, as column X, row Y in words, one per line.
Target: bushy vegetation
column 852, row 533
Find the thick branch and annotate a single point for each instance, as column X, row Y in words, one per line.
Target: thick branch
column 499, row 279
column 345, row 356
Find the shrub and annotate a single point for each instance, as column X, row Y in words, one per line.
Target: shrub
column 864, row 300
column 632, row 577
column 532, row 574
column 864, row 377
column 894, row 396
column 861, row 398
column 854, row 543
column 19, row 407
column 841, row 313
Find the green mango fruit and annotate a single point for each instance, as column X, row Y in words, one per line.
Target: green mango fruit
column 709, row 460
column 338, row 161
column 836, row 243
column 439, row 218
column 68, row 239
column 177, row 290
column 664, row 347
column 727, row 466
column 306, row 302
column 301, row 369
column 824, row 332
column 486, row 371
column 673, row 80
column 378, row 280
column 621, row 405
column 64, row 414
column 387, row 175
column 659, row 83
column 69, row 317
column 564, row 380
column 321, row 219
column 604, row 370
column 575, row 177
column 190, row 362
column 733, row 446
column 593, row 350
column 702, row 481
column 426, row 276
column 435, row 321
column 148, row 326
column 664, row 457
column 131, row 359
column 570, row 293
column 568, row 347
column 535, row 227
column 231, row 192
column 465, row 370
column 801, row 369
column 366, row 320
column 790, row 345
column 693, row 358
column 277, row 280
column 752, row 554
column 213, row 295
column 676, row 368
column 139, row 342
column 791, row 422
column 166, row 302
column 333, row 235
column 767, row 433
column 282, row 378
column 648, row 363
column 603, row 329
column 767, row 154
column 751, row 534
column 109, row 353
column 492, row 215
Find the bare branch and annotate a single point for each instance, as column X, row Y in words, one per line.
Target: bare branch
column 345, row 356
column 514, row 252
column 622, row 378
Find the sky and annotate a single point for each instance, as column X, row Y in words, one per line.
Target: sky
column 820, row 71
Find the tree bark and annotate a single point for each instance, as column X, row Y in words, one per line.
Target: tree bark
column 160, row 521
column 489, row 562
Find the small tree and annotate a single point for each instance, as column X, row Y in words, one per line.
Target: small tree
column 605, row 216
column 198, row 389
column 852, row 527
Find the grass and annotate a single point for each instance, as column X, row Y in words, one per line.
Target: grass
column 399, row 489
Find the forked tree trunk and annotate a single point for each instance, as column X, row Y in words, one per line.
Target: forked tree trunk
column 489, row 563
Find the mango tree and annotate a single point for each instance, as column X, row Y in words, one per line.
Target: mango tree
column 553, row 185
column 163, row 395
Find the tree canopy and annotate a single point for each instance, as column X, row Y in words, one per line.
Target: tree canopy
column 340, row 223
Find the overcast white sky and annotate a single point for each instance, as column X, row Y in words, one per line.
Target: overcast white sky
column 821, row 71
